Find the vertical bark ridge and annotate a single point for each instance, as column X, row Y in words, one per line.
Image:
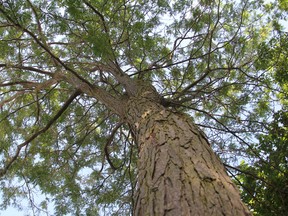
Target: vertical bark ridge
column 178, row 172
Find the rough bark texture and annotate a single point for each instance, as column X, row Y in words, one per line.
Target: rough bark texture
column 178, row 172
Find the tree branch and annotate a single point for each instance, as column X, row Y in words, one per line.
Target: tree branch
column 108, row 143
column 43, row 46
column 35, row 135
column 27, row 68
column 128, row 83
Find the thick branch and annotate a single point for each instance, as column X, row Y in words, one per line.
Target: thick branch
column 75, row 79
column 113, row 103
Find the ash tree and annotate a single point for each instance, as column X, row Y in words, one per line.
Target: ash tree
column 105, row 104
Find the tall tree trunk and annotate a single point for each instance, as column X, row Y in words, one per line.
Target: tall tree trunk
column 179, row 174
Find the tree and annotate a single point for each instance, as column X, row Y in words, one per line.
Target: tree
column 102, row 103
column 264, row 182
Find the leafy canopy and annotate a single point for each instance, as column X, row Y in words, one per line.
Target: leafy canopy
column 264, row 183
column 205, row 58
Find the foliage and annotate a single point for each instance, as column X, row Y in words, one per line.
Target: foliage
column 210, row 59
column 264, row 182
column 264, row 185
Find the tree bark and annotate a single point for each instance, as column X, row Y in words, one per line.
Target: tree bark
column 178, row 173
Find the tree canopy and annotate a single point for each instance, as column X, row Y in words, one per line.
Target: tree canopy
column 64, row 62
column 264, row 182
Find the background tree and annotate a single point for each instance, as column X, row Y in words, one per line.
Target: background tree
column 264, row 182
column 70, row 73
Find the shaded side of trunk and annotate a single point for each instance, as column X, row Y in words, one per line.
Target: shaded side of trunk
column 179, row 174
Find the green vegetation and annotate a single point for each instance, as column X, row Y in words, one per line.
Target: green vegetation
column 63, row 64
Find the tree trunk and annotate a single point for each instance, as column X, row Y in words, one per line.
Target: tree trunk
column 178, row 173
